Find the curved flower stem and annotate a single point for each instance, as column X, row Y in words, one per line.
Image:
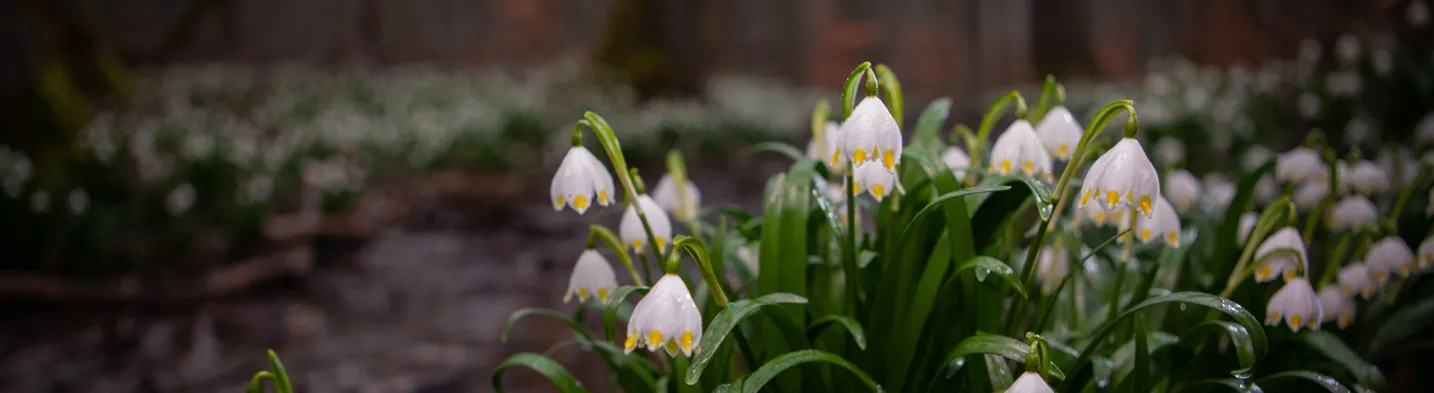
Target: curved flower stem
column 1038, row 358
column 1052, row 94
column 1324, row 203
column 1337, row 259
column 608, row 138
column 848, row 101
column 1405, row 194
column 1129, row 245
column 613, row 242
column 993, row 113
column 892, row 88
column 256, row 384
column 697, row 250
column 1281, row 210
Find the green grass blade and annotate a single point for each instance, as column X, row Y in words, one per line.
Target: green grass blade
column 759, row 378
column 892, row 87
column 555, row 372
column 725, row 323
column 1238, row 334
column 928, row 127
column 520, row 314
column 1400, row 326
column 991, row 344
column 281, row 376
column 1236, row 385
column 1335, row 349
column 780, row 148
column 851, row 325
column 1322, row 380
column 1227, row 236
column 1001, row 205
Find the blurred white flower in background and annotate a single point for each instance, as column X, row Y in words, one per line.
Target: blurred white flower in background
column 78, row 201
column 1343, row 84
column 180, row 199
column 40, row 201
column 1382, row 61
column 1347, row 47
column 258, row 188
column 1255, row 156
column 1309, row 106
column 1219, row 191
column 1169, row 150
column 1359, row 131
column 1297, row 304
column 1309, row 51
column 1417, row 13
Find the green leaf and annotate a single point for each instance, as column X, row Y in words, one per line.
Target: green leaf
column 543, row 365
column 725, row 322
column 892, row 87
column 955, row 196
column 281, row 376
column 928, row 126
column 851, row 325
column 993, row 265
column 992, row 344
column 759, row 378
column 1400, row 326
column 1238, row 334
column 575, row 325
column 1322, row 380
column 1237, row 385
column 1227, row 236
column 780, row 148
column 1335, row 349
column 609, row 310
column 1001, row 205
column 1140, row 369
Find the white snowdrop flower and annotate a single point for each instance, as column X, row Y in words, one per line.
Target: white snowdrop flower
column 957, row 160
column 180, row 199
column 1309, row 50
column 1123, row 170
column 1417, row 13
column 668, row 197
column 1169, row 150
column 869, row 134
column 1183, row 189
column 1309, row 106
column 1338, row 307
column 1255, row 156
column 258, row 188
column 1382, row 61
column 1354, row 213
column 1389, row 256
column 1030, row 382
column 1090, row 215
column 1426, row 253
column 197, row 145
column 1297, row 304
column 1059, row 133
column 1347, row 47
column 1196, row 97
column 1299, row 165
column 40, row 201
column 1219, row 191
column 1310, row 194
column 1407, row 169
column 1283, row 263
column 1266, row 189
column 592, row 276
column 873, row 180
column 630, row 229
column 1052, row 266
column 1360, row 132
column 78, row 201
column 1357, row 279
column 822, row 149
column 1424, row 131
column 1019, row 149
column 1165, row 224
column 1368, row 178
column 1343, row 83
column 666, row 318
column 580, row 176
column 1247, row 225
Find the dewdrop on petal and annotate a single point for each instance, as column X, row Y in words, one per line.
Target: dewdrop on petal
column 1029, row 382
column 668, row 197
column 1297, row 304
column 1247, row 224
column 1356, row 278
column 592, row 276
column 1282, row 264
column 630, row 229
column 1299, row 165
column 957, row 160
column 1387, row 257
column 579, row 177
column 1059, row 133
column 1183, row 189
column 1338, row 307
column 666, row 318
column 1164, row 224
column 1426, row 253
column 1019, row 150
column 870, row 134
column 873, row 179
column 1122, row 176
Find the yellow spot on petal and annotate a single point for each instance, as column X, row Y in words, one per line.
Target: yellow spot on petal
column 1030, row 167
column 1085, row 197
column 856, row 186
column 582, row 294
column 630, row 342
column 1296, row 320
column 671, row 347
column 654, row 339
column 878, row 191
column 1144, row 235
column 1172, row 239
column 1062, row 149
column 1100, row 218
column 1145, row 204
column 1404, row 270
column 1005, row 166
column 1345, row 320
column 888, row 159
column 580, row 202
column 637, row 246
column 687, row 341
column 662, row 244
column 602, row 197
column 1289, row 274
column 602, row 294
column 1273, row 318
column 859, row 155
column 558, row 202
column 1111, row 197
column 1381, row 276
column 1263, row 273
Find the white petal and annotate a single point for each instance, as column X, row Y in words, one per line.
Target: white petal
column 873, row 179
column 1183, row 189
column 1282, row 264
column 1059, row 133
column 592, row 276
column 957, row 160
column 632, row 233
column 1029, row 382
column 1247, row 224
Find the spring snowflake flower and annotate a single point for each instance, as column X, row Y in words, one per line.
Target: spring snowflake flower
column 874, row 180
column 1123, row 170
column 667, row 196
column 1266, row 189
column 957, row 160
column 827, row 147
column 1353, row 213
column 1030, row 382
column 630, row 229
column 1255, row 156
column 78, row 201
column 1417, row 13
column 1059, row 133
column 180, row 199
column 580, row 176
column 1308, row 195
column 869, row 134
column 1019, row 149
column 666, row 318
column 1247, row 224
column 1355, row 278
column 1368, row 178
column 1389, row 256
column 1283, row 263
column 1052, row 266
column 1426, row 253
column 1182, row 189
column 1299, row 165
column 1091, row 214
column 1338, row 307
column 1309, row 105
column 592, row 276
column 1219, row 191
column 1297, row 304
column 1165, row 224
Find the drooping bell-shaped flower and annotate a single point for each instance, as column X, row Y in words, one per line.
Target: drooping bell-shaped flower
column 1052, row 267
column 1266, row 189
column 1309, row 194
column 1426, row 253
column 666, row 318
column 1355, row 278
column 1299, row 165
column 1343, row 179
column 1019, row 150
column 1030, row 382
column 1368, row 178
column 671, row 199
column 1183, row 189
column 1164, row 224
column 1219, row 191
column 1123, row 175
column 592, row 276
column 1354, row 212
column 1247, row 224
column 1255, row 156
column 1338, row 307
column 1283, row 263
column 1389, row 256
column 579, row 176
column 1297, row 304
column 957, row 160
column 873, row 179
column 630, row 229
column 1059, row 133
column 869, row 134
column 1091, row 215
column 821, row 148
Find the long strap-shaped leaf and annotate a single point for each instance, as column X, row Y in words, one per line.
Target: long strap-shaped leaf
column 851, row 325
column 991, row 344
column 614, row 302
column 724, row 324
column 517, row 315
column 1322, row 380
column 759, row 378
column 543, row 365
column 1335, row 349
column 1239, row 335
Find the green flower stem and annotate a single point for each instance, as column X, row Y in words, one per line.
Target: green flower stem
column 1337, row 259
column 1324, row 203
column 256, row 384
column 1052, row 94
column 849, row 267
column 988, row 121
column 848, row 101
column 609, row 238
column 892, row 88
column 1120, row 272
column 697, row 250
column 608, row 138
column 1407, row 193
column 820, row 114
column 1280, row 212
